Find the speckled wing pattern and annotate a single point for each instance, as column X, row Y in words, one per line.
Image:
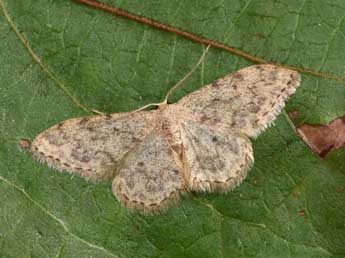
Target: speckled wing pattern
column 199, row 143
column 92, row 146
column 233, row 108
column 149, row 177
column 215, row 160
column 247, row 100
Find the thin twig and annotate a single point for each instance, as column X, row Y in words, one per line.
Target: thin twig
column 199, row 39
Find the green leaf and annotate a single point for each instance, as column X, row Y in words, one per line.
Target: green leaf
column 57, row 55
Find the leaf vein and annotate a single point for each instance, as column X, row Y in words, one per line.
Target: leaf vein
column 58, row 220
column 333, row 34
column 37, row 59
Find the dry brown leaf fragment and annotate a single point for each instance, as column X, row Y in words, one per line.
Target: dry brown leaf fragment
column 324, row 138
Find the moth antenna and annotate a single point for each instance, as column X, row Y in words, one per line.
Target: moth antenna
column 97, row 112
column 165, row 101
column 148, row 105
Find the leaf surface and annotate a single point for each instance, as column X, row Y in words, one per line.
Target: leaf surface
column 57, row 56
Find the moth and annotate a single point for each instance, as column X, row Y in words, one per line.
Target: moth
column 200, row 143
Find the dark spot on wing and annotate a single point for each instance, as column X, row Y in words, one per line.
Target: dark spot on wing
column 85, row 159
column 107, row 116
column 214, row 139
column 259, row 67
column 176, row 172
column 210, row 163
column 215, row 84
column 80, row 154
column 253, row 108
column 238, row 76
column 59, row 125
column 57, row 139
column 83, row 121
